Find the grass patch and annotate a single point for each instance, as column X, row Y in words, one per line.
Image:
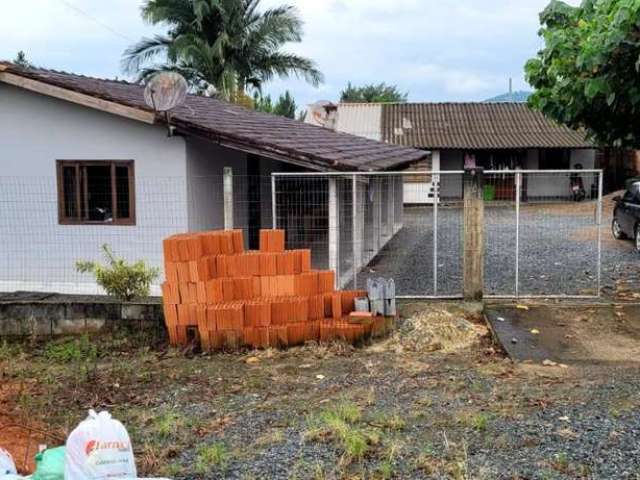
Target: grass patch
column 212, row 457
column 341, row 424
column 71, row 350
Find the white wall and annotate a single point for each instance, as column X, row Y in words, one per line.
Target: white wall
column 557, row 185
column 205, row 164
column 39, row 254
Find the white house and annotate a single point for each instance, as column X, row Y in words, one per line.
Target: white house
column 86, row 162
column 496, row 136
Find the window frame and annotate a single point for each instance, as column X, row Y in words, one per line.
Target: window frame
column 63, row 219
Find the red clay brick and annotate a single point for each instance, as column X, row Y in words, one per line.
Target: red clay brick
column 326, row 281
column 296, row 333
column 170, row 293
column 171, row 272
column 305, row 260
column 316, row 307
column 256, row 337
column 242, row 288
column 228, row 293
column 268, row 265
column 170, row 314
column 221, row 266
column 226, row 242
column 313, row 331
column 201, row 292
column 214, row 291
column 336, row 305
column 327, row 331
column 278, row 337
column 210, row 243
column 238, row 241
column 184, row 273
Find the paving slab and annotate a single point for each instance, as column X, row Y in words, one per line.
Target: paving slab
column 597, row 334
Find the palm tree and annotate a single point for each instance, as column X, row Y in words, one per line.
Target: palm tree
column 226, row 44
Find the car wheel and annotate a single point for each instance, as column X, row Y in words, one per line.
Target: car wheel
column 618, row 234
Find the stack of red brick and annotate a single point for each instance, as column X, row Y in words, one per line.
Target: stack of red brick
column 227, row 297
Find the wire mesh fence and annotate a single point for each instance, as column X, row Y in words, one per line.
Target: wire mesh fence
column 541, row 228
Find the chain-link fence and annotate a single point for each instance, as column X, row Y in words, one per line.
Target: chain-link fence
column 541, row 228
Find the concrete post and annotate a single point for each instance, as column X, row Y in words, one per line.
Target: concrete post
column 473, row 282
column 227, row 174
column 334, row 230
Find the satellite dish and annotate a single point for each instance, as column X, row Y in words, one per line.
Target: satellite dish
column 319, row 113
column 165, row 90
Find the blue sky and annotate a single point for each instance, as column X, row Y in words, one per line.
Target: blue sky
column 437, row 50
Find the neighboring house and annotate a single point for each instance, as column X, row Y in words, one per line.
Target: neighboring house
column 496, row 136
column 86, row 162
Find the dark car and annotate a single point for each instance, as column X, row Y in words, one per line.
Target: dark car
column 626, row 215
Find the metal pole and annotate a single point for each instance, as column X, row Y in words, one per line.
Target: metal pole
column 436, row 199
column 599, row 220
column 227, row 182
column 518, row 195
column 274, row 210
column 354, row 227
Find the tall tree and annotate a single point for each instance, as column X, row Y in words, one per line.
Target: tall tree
column 21, row 60
column 588, row 73
column 373, row 93
column 285, row 106
column 230, row 45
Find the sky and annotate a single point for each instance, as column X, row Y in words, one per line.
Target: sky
column 436, row 50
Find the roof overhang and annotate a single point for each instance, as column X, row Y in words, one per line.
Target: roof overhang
column 76, row 97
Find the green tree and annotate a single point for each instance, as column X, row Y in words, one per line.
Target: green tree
column 262, row 103
column 373, row 93
column 285, row 106
column 588, row 73
column 230, row 45
column 21, row 60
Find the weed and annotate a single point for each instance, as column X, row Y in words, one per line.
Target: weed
column 341, row 423
column 9, row 351
column 385, row 470
column 560, row 462
column 71, row 350
column 214, row 456
column 168, row 424
column 392, row 421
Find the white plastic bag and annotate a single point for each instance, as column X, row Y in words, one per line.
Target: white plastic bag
column 99, row 449
column 7, row 465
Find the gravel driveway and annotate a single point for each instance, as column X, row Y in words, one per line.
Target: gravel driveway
column 558, row 252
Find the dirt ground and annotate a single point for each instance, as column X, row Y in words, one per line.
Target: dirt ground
column 451, row 406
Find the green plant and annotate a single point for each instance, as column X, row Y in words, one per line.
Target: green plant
column 586, row 76
column 72, row 350
column 212, row 456
column 118, row 278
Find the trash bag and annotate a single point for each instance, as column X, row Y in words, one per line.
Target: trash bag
column 99, row 449
column 50, row 464
column 7, row 465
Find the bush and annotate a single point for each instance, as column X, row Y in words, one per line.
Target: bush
column 118, row 278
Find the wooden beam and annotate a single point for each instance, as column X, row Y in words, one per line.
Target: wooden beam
column 77, row 98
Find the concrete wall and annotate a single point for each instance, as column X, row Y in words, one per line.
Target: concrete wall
column 39, row 254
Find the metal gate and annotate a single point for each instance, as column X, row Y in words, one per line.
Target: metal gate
column 540, row 237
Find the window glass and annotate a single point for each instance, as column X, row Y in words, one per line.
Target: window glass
column 96, row 192
column 98, row 188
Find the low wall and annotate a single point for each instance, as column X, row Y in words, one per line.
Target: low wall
column 41, row 315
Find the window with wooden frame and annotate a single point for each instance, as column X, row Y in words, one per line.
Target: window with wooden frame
column 96, row 192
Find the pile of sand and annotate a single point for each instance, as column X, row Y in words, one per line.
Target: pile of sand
column 436, row 330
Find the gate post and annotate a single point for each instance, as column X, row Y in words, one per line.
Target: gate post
column 473, row 282
column 227, row 173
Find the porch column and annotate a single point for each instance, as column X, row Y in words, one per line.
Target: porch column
column 334, row 229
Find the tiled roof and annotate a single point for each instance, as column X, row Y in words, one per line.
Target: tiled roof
column 475, row 126
column 240, row 127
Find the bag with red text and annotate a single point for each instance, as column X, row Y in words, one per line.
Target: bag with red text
column 7, row 466
column 99, row 449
